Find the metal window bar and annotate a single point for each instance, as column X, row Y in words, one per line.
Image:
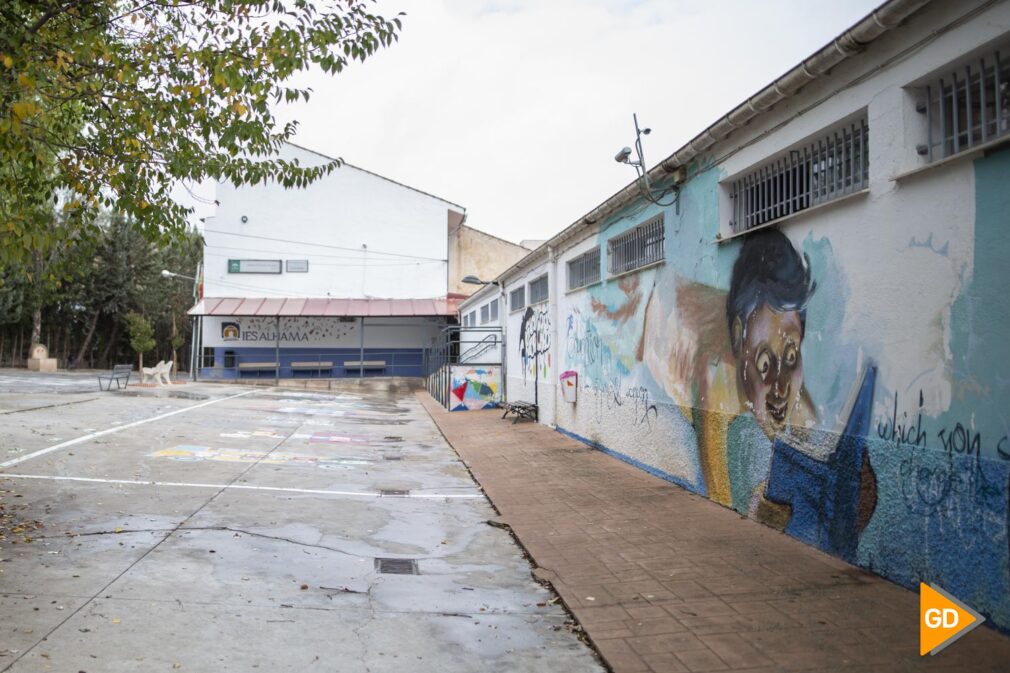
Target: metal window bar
column 584, row 270
column 643, row 245
column 966, row 108
column 538, row 290
column 831, row 167
column 517, row 299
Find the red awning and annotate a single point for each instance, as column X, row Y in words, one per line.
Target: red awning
column 259, row 306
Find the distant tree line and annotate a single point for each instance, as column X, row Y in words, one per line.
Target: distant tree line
column 81, row 296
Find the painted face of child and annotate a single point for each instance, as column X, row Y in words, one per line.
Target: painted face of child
column 771, row 368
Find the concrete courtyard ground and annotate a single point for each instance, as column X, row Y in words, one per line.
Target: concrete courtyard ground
column 209, row 527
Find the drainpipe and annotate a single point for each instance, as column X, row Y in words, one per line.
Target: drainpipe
column 503, row 348
column 552, row 256
column 277, row 352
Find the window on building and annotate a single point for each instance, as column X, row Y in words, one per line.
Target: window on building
column 208, row 357
column 967, row 108
column 584, row 270
column 639, row 247
column 538, row 290
column 517, row 299
column 485, row 314
column 494, row 310
column 471, row 318
column 830, row 167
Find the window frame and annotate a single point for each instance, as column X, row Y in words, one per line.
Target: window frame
column 978, row 82
column 583, row 261
column 826, row 167
column 521, row 290
column 618, row 245
column 547, row 289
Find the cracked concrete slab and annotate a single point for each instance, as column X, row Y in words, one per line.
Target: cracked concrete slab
column 168, row 559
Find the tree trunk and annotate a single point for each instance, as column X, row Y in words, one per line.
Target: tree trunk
column 113, row 339
column 175, row 354
column 87, row 338
column 36, row 326
column 140, row 360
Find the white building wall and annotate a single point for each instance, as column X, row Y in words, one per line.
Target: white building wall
column 363, row 235
column 910, row 294
column 531, row 335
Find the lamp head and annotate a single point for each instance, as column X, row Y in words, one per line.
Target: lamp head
column 623, row 156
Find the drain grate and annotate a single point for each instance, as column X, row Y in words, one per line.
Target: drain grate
column 397, row 566
column 390, row 457
column 393, row 438
column 393, row 493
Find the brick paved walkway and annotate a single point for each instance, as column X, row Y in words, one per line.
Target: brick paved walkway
column 664, row 580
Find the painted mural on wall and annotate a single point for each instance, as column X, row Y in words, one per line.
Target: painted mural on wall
column 474, row 388
column 769, row 375
column 535, row 342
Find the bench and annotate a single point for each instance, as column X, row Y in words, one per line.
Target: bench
column 307, row 366
column 311, row 365
column 521, row 410
column 364, row 364
column 161, row 373
column 256, row 367
column 120, row 374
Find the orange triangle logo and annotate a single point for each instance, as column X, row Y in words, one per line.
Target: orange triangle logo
column 942, row 619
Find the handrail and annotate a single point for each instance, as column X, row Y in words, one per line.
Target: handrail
column 482, row 346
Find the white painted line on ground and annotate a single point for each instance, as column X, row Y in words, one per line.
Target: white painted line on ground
column 118, row 428
column 244, row 487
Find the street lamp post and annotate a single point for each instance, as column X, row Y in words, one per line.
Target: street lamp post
column 165, row 273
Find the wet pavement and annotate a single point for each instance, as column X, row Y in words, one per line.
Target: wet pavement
column 232, row 528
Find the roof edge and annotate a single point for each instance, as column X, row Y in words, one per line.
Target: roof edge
column 848, row 43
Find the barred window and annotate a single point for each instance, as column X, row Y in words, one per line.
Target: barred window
column 584, row 270
column 832, row 166
column 639, row 247
column 517, row 298
column 967, row 108
column 538, row 290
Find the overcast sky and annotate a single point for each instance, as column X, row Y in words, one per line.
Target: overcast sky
column 515, row 108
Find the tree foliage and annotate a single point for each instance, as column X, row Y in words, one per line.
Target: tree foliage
column 107, row 104
column 99, row 281
column 141, row 334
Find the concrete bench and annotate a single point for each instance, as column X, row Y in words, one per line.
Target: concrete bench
column 161, row 373
column 521, row 410
column 365, row 364
column 255, row 366
column 311, row 366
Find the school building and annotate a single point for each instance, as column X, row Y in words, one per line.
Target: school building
column 349, row 276
column 803, row 315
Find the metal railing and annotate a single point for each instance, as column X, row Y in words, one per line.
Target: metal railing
column 831, row 167
column 457, row 345
column 584, row 269
column 967, row 109
column 639, row 247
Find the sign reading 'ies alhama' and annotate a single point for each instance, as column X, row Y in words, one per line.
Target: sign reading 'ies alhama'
column 254, row 266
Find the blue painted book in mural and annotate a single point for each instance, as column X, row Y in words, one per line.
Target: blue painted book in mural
column 825, row 477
